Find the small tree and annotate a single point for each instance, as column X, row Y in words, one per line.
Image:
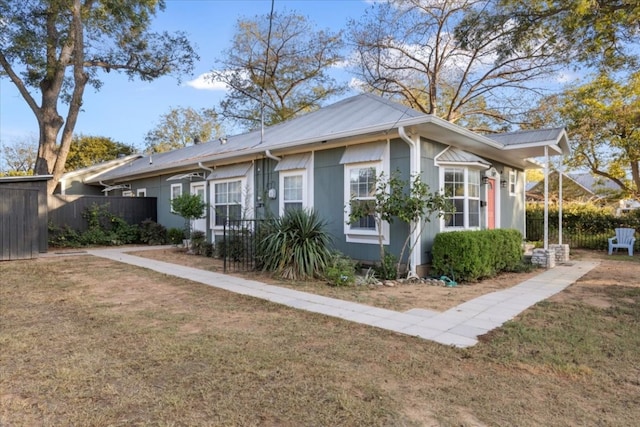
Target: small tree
column 190, row 207
column 392, row 200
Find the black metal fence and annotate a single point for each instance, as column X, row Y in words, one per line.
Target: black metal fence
column 238, row 247
column 577, row 235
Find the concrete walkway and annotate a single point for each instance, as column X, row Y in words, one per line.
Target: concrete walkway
column 459, row 326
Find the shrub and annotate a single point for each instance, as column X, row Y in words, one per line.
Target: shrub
column 175, row 235
column 64, row 236
column 236, row 246
column 295, row 246
column 103, row 228
column 388, row 268
column 198, row 240
column 152, row 233
column 189, row 207
column 340, row 270
column 472, row 255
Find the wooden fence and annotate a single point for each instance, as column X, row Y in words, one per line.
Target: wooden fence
column 67, row 210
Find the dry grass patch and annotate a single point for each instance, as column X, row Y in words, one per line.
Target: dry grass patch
column 87, row 341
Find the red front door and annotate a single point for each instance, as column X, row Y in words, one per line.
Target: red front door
column 491, row 204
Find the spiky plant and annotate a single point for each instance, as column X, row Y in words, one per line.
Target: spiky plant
column 296, row 245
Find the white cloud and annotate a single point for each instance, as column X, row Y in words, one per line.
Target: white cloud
column 566, row 77
column 204, row 82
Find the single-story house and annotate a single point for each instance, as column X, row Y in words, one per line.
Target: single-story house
column 322, row 159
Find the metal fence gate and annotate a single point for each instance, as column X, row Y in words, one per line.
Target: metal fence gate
column 238, row 247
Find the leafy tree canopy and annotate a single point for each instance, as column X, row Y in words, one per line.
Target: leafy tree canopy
column 181, row 127
column 51, row 49
column 602, row 118
column 413, row 51
column 598, row 33
column 282, row 63
column 90, row 150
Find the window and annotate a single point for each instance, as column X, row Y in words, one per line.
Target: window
column 296, row 183
column 362, row 189
column 141, row 192
column 513, row 181
column 462, row 187
column 227, row 201
column 127, row 193
column 363, row 164
column 176, row 191
column 292, row 192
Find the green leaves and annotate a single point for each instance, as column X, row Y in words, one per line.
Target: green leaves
column 181, row 127
column 188, row 206
column 295, row 246
column 89, row 150
column 603, row 120
column 409, row 201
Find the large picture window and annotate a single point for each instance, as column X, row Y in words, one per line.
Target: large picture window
column 227, row 201
column 462, row 187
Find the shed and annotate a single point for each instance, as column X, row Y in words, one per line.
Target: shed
column 23, row 216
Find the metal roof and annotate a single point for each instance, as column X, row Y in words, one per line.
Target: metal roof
column 528, row 136
column 357, row 115
column 452, row 155
column 364, row 115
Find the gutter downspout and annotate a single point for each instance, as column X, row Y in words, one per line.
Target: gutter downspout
column 414, row 165
column 106, row 193
column 271, row 156
column 206, row 192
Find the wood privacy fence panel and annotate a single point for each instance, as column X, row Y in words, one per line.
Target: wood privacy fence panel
column 67, row 210
column 19, row 224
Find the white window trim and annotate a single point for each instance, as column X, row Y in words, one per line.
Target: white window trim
column 365, row 236
column 171, row 197
column 245, row 193
column 513, row 183
column 141, row 192
column 291, row 173
column 466, row 169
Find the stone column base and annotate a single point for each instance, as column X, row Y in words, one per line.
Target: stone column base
column 544, row 258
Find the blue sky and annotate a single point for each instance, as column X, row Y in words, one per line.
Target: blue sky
column 126, row 110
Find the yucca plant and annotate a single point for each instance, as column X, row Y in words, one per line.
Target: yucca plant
column 296, row 245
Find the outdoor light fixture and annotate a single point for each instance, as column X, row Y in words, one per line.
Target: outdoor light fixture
column 485, row 180
column 503, row 184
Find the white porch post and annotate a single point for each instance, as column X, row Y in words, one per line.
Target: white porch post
column 561, row 171
column 546, row 197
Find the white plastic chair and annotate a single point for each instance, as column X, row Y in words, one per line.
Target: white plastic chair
column 624, row 239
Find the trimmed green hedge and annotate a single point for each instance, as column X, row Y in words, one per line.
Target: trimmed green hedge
column 471, row 255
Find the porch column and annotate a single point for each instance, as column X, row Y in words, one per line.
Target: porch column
column 546, row 197
column 561, row 168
